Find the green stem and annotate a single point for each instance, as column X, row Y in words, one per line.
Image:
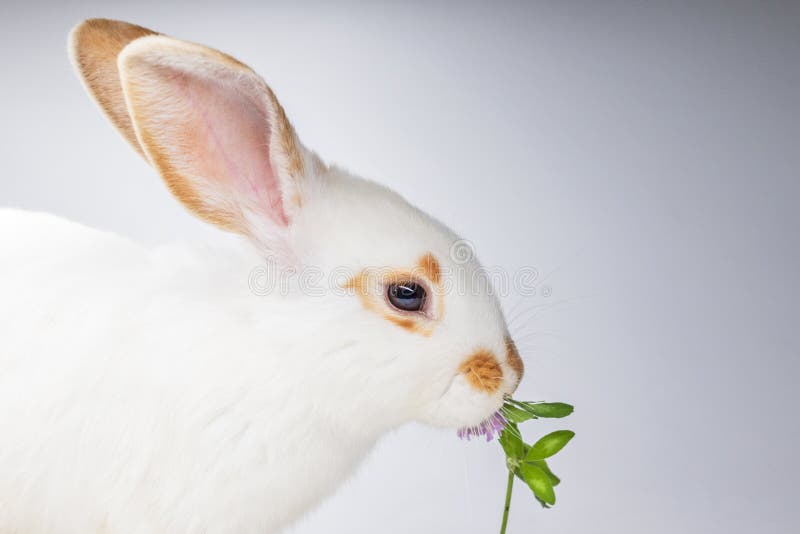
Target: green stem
column 509, row 486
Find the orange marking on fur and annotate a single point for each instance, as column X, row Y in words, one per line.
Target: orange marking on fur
column 95, row 45
column 429, row 265
column 513, row 360
column 366, row 287
column 483, row 371
column 288, row 138
column 297, row 201
column 404, row 322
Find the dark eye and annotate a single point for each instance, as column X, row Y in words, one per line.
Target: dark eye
column 407, row 296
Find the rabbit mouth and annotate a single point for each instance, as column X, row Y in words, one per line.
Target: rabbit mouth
column 489, row 427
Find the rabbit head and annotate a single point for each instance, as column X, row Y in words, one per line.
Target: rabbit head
column 217, row 135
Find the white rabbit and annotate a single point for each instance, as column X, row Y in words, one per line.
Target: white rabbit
column 167, row 391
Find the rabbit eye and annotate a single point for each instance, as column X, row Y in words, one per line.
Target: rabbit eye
column 407, row 296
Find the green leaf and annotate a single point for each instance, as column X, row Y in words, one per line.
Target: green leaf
column 512, row 444
column 519, row 411
column 549, row 445
column 519, row 405
column 539, row 482
column 550, row 410
column 541, row 464
column 515, row 414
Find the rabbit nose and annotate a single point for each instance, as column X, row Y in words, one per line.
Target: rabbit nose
column 483, row 371
column 514, row 361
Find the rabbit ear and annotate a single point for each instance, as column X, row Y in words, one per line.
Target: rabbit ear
column 93, row 47
column 218, row 136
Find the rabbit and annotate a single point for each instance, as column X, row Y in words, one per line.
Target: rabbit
column 167, row 390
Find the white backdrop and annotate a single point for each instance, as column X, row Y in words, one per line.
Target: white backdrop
column 643, row 158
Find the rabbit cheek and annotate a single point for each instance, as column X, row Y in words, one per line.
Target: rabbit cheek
column 483, row 371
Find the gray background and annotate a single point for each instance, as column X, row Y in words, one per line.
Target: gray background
column 642, row 156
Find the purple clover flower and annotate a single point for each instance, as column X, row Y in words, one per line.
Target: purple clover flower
column 494, row 424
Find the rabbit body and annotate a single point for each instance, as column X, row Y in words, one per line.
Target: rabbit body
column 135, row 377
column 165, row 391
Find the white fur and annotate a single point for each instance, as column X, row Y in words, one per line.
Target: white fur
column 152, row 391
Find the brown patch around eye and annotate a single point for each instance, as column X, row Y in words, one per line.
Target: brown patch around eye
column 369, row 289
column 429, row 266
column 513, row 359
column 483, row 371
column 403, row 322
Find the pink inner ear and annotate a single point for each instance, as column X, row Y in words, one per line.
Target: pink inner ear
column 221, row 137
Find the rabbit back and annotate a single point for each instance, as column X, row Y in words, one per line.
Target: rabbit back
column 140, row 400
